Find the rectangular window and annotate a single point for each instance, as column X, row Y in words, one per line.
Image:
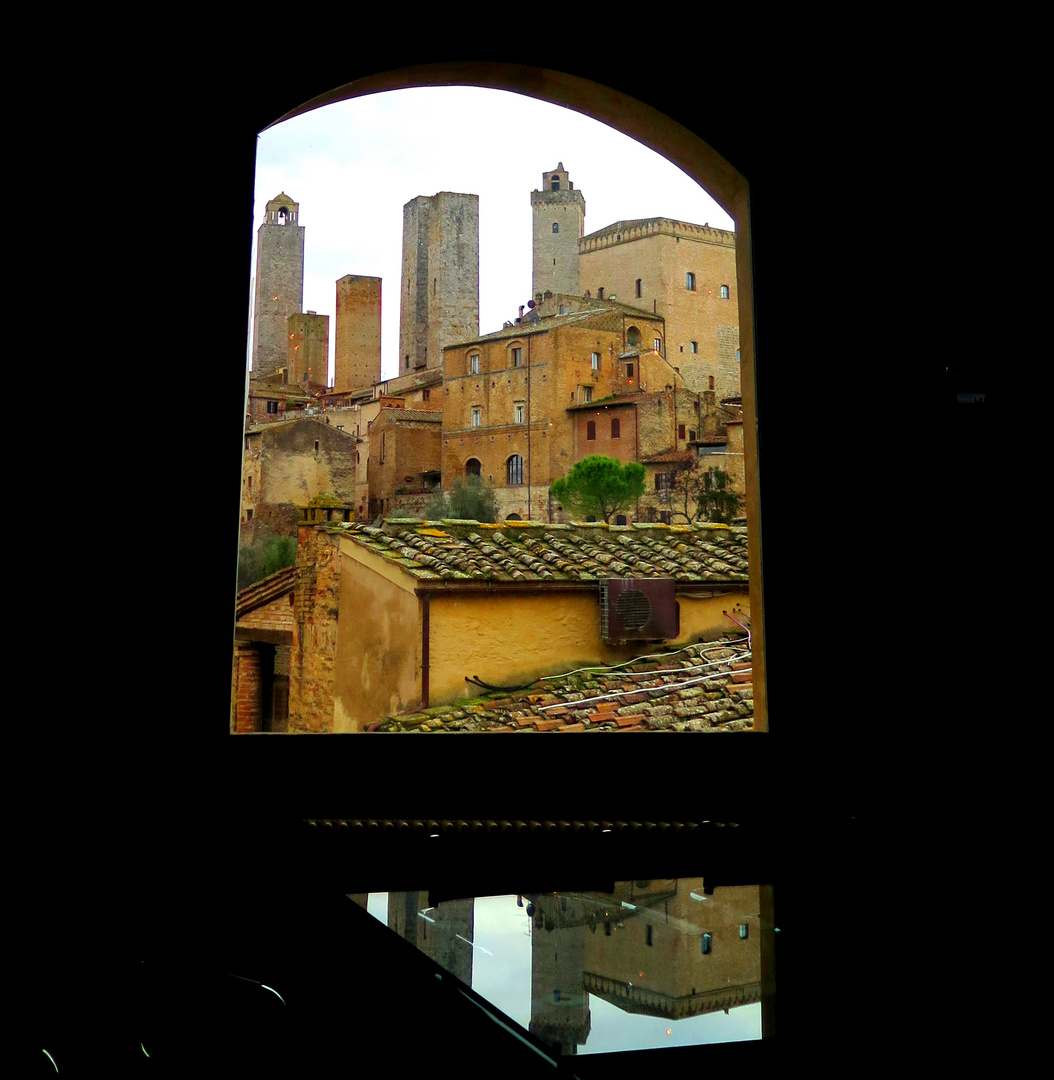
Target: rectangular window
column 689, row 281
column 473, row 365
column 680, row 431
column 246, row 442
column 272, row 406
column 663, row 481
column 693, row 346
column 518, row 413
column 587, row 393
column 382, row 446
column 477, row 416
column 591, row 430
column 629, row 371
column 600, row 293
column 517, row 357
column 724, row 292
column 691, row 436
column 426, row 393
column 595, row 361
column 658, row 344
column 248, row 515
column 249, row 479
column 615, row 429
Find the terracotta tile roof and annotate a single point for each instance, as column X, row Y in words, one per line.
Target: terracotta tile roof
column 431, row 416
column 703, row 687
column 669, row 457
column 527, row 551
column 263, row 592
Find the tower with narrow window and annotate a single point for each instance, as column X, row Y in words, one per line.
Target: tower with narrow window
column 439, row 291
column 357, row 354
column 279, row 282
column 559, row 221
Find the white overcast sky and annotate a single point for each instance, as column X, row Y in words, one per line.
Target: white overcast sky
column 352, row 166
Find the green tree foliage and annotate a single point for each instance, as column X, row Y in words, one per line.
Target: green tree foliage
column 703, row 494
column 600, row 487
column 471, row 499
column 263, row 558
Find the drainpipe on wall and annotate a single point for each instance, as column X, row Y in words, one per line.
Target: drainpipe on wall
column 424, row 650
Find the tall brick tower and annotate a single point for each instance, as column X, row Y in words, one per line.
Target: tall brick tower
column 439, row 297
column 559, row 221
column 279, row 282
column 357, row 353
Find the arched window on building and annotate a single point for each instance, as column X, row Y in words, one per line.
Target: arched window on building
column 633, row 337
column 725, row 292
column 473, row 467
column 711, row 383
column 638, row 286
column 514, row 470
column 556, row 183
column 689, row 281
column 556, row 226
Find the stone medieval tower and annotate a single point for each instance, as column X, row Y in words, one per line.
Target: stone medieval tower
column 279, row 283
column 357, row 354
column 439, row 297
column 559, row 221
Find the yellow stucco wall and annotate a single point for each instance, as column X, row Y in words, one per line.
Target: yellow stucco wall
column 509, row 639
column 378, row 643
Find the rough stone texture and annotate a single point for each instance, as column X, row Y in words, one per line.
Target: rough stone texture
column 556, row 254
column 312, row 654
column 439, row 297
column 405, row 444
column 307, row 349
column 279, row 283
column 555, row 374
column 661, row 252
column 357, row 349
column 282, row 471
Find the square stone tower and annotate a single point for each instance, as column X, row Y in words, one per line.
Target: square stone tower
column 559, row 221
column 439, row 297
column 307, row 349
column 357, row 352
column 279, row 282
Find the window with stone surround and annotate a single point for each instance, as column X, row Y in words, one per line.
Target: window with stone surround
column 477, row 415
column 473, row 364
column 517, row 357
column 595, row 361
column 517, row 412
column 514, row 470
column 587, row 393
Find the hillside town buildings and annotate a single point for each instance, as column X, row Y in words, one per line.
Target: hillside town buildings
column 628, row 349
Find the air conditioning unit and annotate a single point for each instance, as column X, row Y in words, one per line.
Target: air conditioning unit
column 638, row 609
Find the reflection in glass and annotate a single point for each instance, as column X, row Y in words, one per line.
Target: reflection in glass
column 655, row 963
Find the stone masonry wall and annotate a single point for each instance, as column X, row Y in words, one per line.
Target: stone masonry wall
column 307, row 348
column 314, row 648
column 279, row 292
column 453, row 272
column 357, row 348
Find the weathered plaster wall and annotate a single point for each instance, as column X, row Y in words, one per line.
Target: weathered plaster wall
column 378, row 651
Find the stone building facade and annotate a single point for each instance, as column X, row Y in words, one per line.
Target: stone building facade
column 357, row 346
column 559, row 213
column 686, row 274
column 405, row 446
column 288, row 464
column 511, row 400
column 439, row 296
column 279, row 282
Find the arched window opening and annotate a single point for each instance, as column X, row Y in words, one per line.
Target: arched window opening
column 514, row 470
column 725, row 292
column 473, row 467
column 689, row 281
column 633, row 337
column 638, row 287
column 556, row 226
